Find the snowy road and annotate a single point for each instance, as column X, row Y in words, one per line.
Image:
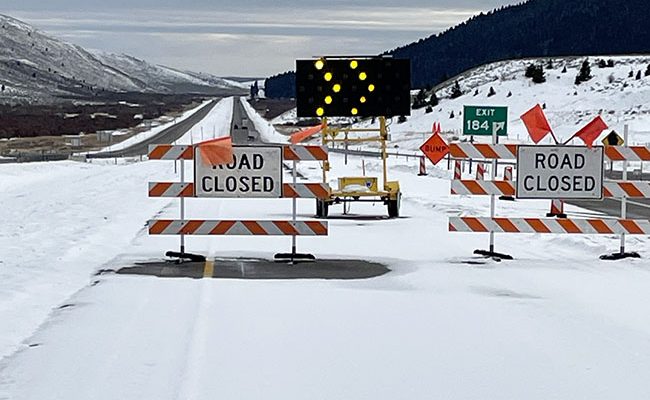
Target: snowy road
column 554, row 323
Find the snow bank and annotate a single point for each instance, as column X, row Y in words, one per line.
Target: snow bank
column 265, row 128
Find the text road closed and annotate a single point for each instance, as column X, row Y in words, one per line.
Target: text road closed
column 559, row 172
column 255, row 172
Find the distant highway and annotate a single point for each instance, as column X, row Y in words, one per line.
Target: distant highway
column 242, row 128
column 168, row 135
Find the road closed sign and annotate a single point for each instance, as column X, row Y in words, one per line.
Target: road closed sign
column 256, row 172
column 559, row 172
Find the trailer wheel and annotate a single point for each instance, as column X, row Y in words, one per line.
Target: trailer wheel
column 393, row 206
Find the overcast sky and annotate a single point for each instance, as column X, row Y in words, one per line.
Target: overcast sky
column 242, row 37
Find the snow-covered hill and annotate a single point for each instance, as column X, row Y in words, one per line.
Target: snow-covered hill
column 35, row 67
column 611, row 92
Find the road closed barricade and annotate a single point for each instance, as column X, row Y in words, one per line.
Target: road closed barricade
column 253, row 172
column 556, row 173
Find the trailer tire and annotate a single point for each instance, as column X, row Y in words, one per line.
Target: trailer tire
column 393, row 207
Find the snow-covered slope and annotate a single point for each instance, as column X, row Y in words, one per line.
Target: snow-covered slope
column 38, row 67
column 164, row 78
column 620, row 99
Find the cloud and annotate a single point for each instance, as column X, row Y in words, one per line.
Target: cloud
column 246, row 37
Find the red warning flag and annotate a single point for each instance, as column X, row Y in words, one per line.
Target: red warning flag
column 217, row 151
column 536, row 123
column 436, row 128
column 305, row 133
column 591, row 132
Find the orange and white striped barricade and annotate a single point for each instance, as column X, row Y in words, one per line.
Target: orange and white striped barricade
column 626, row 154
column 458, row 172
column 509, row 152
column 237, row 227
column 507, row 177
column 319, row 191
column 557, row 209
column 480, row 172
column 176, row 153
column 289, row 190
column 292, row 190
column 550, row 225
column 611, row 189
column 423, row 167
column 170, row 152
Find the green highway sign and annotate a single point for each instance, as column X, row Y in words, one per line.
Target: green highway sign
column 484, row 120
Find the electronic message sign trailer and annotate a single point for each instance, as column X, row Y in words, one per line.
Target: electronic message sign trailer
column 355, row 87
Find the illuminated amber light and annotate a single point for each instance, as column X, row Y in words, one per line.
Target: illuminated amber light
column 362, row 99
column 328, row 76
column 336, row 88
column 320, row 111
column 363, row 76
column 319, row 64
column 355, row 111
column 371, row 88
column 328, row 100
column 354, row 64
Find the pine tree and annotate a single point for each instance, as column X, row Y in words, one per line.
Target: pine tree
column 3, row 87
column 638, row 75
column 585, row 73
column 549, row 65
column 564, row 70
column 647, row 71
column 602, row 64
column 456, row 92
column 610, row 63
column 420, row 100
column 428, row 110
column 539, row 76
column 631, row 74
column 433, row 100
column 476, row 93
column 452, row 116
column 491, row 92
column 509, row 94
column 401, row 119
column 530, row 70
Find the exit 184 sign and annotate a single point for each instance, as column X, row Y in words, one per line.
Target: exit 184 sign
column 484, row 120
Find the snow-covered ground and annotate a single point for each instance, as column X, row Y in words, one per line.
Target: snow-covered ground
column 554, row 323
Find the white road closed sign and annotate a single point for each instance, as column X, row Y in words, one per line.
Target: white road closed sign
column 256, row 173
column 559, row 172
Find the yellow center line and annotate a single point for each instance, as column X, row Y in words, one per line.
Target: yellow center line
column 208, row 269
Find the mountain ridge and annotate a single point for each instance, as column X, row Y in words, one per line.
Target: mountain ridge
column 38, row 68
column 534, row 28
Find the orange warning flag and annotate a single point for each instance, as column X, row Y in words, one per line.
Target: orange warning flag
column 536, row 123
column 217, row 151
column 305, row 133
column 591, row 132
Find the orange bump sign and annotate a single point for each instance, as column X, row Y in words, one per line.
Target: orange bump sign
column 435, row 148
